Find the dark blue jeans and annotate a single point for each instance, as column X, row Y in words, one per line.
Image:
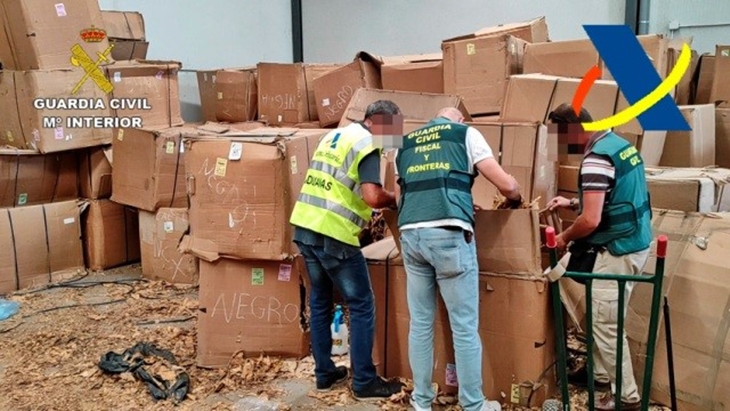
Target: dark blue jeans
column 352, row 280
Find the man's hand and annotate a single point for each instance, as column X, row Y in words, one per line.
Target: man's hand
column 561, row 244
column 558, row 202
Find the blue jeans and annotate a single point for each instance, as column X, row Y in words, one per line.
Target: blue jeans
column 352, row 280
column 438, row 256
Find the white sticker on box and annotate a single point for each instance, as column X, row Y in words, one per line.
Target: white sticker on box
column 159, row 75
column 325, row 102
column 117, row 76
column 725, row 53
column 220, row 95
column 182, row 146
column 58, row 132
column 236, row 151
column 169, row 226
column 214, row 77
column 285, row 272
column 205, row 77
column 170, row 147
column 60, row 10
column 471, row 49
column 36, row 135
column 10, row 136
column 279, row 118
column 69, row 220
column 293, row 164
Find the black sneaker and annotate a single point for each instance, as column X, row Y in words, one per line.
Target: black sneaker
column 337, row 377
column 579, row 378
column 379, row 389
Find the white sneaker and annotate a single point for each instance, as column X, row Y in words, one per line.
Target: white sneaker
column 418, row 408
column 492, row 406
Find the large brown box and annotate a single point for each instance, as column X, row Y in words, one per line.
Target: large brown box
column 154, row 81
column 95, row 173
column 419, row 73
column 477, row 66
column 720, row 92
column 311, row 73
column 236, row 95
column 29, row 178
column 149, row 168
column 694, row 148
column 160, row 234
column 282, row 93
column 705, row 77
column 722, row 137
column 123, row 25
column 39, row 244
column 251, row 306
column 111, row 235
column 515, row 326
column 242, row 190
column 39, row 34
column 334, row 90
column 704, row 190
column 36, row 111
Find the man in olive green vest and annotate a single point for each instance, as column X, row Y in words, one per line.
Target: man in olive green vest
column 611, row 235
column 341, row 188
column 437, row 165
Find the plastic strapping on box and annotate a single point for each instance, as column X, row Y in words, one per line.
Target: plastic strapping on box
column 169, row 106
column 17, row 175
column 177, row 170
column 717, row 354
column 387, row 292
column 15, row 250
column 48, row 242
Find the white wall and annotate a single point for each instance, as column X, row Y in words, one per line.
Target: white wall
column 335, row 30
column 693, row 13
column 207, row 34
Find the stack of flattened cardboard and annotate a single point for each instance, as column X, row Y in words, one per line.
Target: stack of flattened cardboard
column 242, row 186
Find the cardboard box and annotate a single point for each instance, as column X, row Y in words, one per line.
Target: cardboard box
column 720, row 92
column 477, row 69
column 696, row 285
column 515, row 326
column 253, row 307
column 414, row 106
column 695, row 148
column 424, row 73
column 656, row 47
column 242, row 189
column 573, row 58
column 533, row 31
column 311, row 73
column 160, row 234
column 722, row 137
column 508, row 242
column 40, row 34
column 334, row 90
column 149, row 168
column 111, row 235
column 123, row 25
column 683, row 91
column 95, row 173
column 689, row 189
column 28, row 178
column 39, row 244
column 129, row 49
column 524, row 150
column 154, row 81
column 206, row 89
column 282, row 93
column 705, row 76
column 31, row 100
column 236, row 95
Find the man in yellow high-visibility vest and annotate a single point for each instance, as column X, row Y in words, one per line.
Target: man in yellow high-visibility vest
column 341, row 188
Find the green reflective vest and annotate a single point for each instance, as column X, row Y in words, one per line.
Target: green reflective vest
column 625, row 225
column 434, row 177
column 330, row 202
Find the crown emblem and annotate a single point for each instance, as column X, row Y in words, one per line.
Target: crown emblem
column 93, row 35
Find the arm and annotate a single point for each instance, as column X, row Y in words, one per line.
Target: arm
column 505, row 183
column 587, row 221
column 372, row 190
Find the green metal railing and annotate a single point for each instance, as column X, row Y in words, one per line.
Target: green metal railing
column 655, row 280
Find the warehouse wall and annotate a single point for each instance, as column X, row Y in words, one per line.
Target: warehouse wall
column 334, row 30
column 212, row 34
column 710, row 12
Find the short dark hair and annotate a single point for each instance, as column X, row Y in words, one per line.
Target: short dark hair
column 565, row 114
column 383, row 107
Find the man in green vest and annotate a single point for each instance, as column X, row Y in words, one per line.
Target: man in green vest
column 611, row 235
column 341, row 188
column 436, row 166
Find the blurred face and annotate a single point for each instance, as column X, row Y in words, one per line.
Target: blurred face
column 387, row 130
column 572, row 139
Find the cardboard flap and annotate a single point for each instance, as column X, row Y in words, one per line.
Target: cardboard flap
column 508, row 242
column 412, row 58
column 163, row 64
column 203, row 249
column 414, row 106
column 109, row 155
column 499, row 29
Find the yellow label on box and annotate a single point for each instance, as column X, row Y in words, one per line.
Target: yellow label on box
column 515, row 394
column 471, row 49
column 170, row 147
column 10, row 137
column 120, row 135
column 220, row 167
column 220, row 95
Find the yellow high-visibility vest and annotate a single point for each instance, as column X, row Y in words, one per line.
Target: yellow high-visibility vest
column 330, row 202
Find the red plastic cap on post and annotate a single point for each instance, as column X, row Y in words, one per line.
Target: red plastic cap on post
column 550, row 237
column 661, row 247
